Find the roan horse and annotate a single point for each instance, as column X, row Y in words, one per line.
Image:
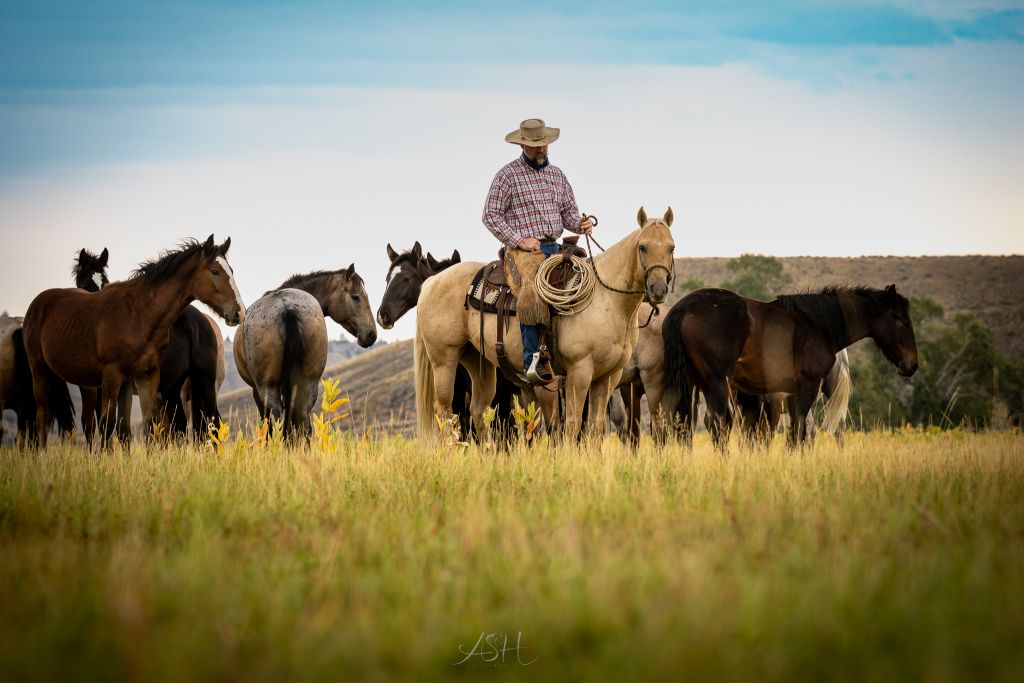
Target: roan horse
column 120, row 333
column 281, row 348
column 192, row 369
column 405, row 278
column 719, row 342
column 593, row 345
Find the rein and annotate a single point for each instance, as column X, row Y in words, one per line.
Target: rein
column 647, row 272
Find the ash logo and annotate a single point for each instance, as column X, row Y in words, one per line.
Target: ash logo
column 496, row 649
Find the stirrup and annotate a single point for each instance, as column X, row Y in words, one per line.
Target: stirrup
column 539, row 371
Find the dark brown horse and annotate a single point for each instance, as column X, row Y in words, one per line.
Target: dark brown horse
column 120, row 333
column 721, row 343
column 194, row 358
column 408, row 270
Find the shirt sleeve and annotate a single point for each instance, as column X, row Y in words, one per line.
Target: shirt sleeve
column 499, row 199
column 570, row 212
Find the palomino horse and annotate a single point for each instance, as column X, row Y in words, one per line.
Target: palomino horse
column 719, row 342
column 120, row 333
column 405, row 278
column 281, row 348
column 593, row 345
column 192, row 370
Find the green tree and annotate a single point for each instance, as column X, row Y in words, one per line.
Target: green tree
column 757, row 276
column 961, row 378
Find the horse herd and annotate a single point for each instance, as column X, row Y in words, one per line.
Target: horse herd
column 141, row 336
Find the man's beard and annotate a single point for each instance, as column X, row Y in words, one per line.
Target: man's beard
column 540, row 158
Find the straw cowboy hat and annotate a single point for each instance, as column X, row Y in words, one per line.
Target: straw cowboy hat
column 533, row 133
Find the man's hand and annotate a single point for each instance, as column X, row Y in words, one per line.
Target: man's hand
column 529, row 244
column 586, row 225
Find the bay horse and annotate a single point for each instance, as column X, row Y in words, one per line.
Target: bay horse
column 593, row 345
column 719, row 342
column 281, row 348
column 120, row 334
column 193, row 368
column 408, row 270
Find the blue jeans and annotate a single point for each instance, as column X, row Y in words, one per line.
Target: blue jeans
column 531, row 333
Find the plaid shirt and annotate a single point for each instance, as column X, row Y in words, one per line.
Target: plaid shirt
column 524, row 202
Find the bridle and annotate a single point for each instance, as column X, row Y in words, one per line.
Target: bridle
column 669, row 272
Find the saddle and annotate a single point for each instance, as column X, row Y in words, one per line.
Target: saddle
column 490, row 292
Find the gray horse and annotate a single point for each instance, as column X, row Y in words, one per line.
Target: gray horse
column 281, row 347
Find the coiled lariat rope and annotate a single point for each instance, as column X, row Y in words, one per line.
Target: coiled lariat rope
column 577, row 296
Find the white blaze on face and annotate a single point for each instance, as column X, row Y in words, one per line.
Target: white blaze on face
column 231, row 277
column 98, row 279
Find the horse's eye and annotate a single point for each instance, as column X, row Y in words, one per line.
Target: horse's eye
column 643, row 248
column 215, row 272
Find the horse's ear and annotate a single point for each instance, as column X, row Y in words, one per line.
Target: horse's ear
column 104, row 255
column 392, row 254
column 641, row 217
column 432, row 262
column 223, row 249
column 891, row 289
column 208, row 245
column 456, row 257
column 351, row 271
column 668, row 217
column 417, row 251
column 81, row 255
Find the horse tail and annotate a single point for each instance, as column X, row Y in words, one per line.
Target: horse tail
column 294, row 355
column 839, row 387
column 424, row 387
column 677, row 398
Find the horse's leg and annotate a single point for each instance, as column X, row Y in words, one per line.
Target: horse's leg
column 273, row 408
column 716, row 395
column 444, row 380
column 800, row 404
column 88, row 414
column 632, row 394
column 41, row 377
column 113, row 380
column 204, row 406
column 750, row 412
column 148, row 386
column 124, row 414
column 261, row 408
column 600, row 393
column 484, row 385
column 654, row 388
column 302, row 407
column 577, row 385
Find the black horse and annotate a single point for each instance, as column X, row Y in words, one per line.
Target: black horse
column 405, row 278
column 192, row 353
column 721, row 343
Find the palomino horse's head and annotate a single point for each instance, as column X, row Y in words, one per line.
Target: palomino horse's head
column 655, row 251
column 214, row 282
column 888, row 320
column 90, row 270
column 405, row 279
column 349, row 306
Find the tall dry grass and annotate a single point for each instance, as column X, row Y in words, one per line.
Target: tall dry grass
column 899, row 556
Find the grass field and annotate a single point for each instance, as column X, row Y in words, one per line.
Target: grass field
column 898, row 557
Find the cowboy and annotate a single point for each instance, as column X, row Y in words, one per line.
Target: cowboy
column 528, row 206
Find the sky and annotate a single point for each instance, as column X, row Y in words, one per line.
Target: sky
column 315, row 133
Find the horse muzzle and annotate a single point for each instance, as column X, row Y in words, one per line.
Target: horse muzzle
column 366, row 339
column 384, row 319
column 657, row 292
column 235, row 317
column 908, row 369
